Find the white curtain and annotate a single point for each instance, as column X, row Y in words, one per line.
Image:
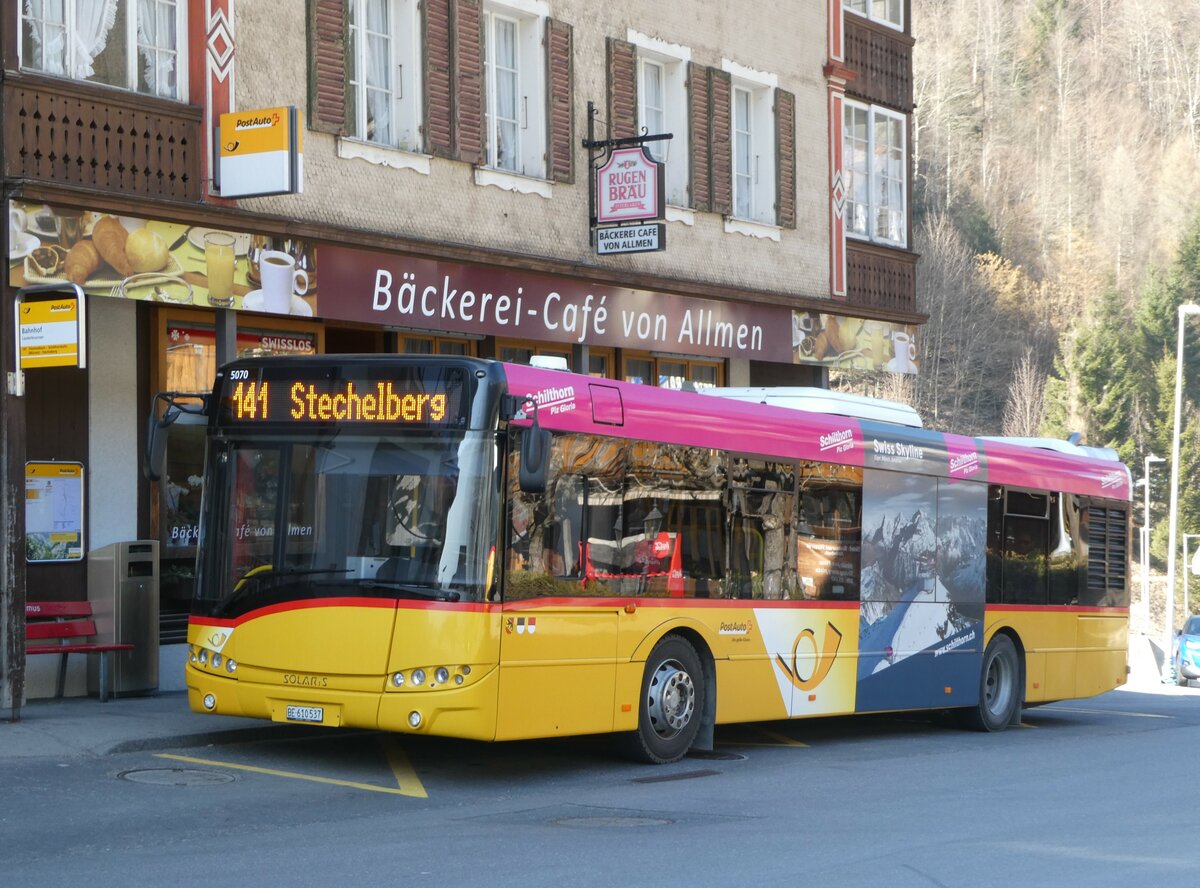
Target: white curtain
column 93, row 21
column 378, row 71
column 47, row 24
column 156, row 44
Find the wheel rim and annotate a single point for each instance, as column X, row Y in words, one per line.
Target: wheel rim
column 672, row 699
column 998, row 688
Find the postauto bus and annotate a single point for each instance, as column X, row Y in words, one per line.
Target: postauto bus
column 460, row 547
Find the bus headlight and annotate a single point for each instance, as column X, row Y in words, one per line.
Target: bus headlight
column 442, row 675
column 231, row 666
column 398, row 679
column 418, row 678
column 216, row 661
column 210, row 702
column 203, row 656
column 414, row 719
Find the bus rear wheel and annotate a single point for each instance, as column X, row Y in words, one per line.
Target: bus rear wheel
column 999, row 687
column 671, row 703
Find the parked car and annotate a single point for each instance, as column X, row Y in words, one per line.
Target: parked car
column 1187, row 652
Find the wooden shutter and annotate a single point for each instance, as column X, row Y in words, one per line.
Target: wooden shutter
column 560, row 150
column 698, row 148
column 469, row 124
column 327, row 71
column 721, row 140
column 439, row 98
column 622, row 89
column 785, row 159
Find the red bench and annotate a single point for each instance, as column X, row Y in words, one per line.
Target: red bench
column 63, row 627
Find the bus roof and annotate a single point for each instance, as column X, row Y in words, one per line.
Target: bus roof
column 817, row 400
column 574, row 403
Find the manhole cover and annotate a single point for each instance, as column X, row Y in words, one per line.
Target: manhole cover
column 611, row 822
column 176, row 777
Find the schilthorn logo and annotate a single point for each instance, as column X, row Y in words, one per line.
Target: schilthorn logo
column 841, row 440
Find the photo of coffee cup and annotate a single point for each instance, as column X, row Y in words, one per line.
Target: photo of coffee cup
column 16, row 223
column 280, row 280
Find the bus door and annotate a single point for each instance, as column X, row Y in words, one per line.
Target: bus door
column 557, row 649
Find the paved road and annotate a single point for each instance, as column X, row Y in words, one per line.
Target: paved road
column 1091, row 793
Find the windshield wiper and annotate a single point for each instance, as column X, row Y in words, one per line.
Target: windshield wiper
column 253, row 582
column 415, row 591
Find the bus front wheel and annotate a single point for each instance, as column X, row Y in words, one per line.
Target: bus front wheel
column 671, row 703
column 999, row 687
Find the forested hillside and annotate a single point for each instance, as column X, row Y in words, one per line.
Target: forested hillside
column 1057, row 211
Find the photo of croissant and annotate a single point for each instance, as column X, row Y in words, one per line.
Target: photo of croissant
column 109, row 255
column 81, row 263
column 109, row 237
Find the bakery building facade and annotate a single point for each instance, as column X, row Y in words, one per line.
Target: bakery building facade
column 439, row 162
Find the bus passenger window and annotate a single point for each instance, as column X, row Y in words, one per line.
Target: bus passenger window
column 561, row 542
column 829, row 531
column 762, row 529
column 683, row 545
column 1068, row 553
column 1024, row 560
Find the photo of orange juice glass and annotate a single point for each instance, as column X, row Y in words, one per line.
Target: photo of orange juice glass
column 219, row 255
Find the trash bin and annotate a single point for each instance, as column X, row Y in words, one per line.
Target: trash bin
column 123, row 589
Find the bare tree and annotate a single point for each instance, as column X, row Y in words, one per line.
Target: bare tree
column 1026, row 395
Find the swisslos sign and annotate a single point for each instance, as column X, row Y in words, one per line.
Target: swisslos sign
column 402, row 291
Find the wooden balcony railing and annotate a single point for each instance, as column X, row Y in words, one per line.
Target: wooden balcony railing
column 880, row 277
column 882, row 58
column 74, row 133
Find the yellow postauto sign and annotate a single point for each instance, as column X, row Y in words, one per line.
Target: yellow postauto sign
column 49, row 333
column 261, row 152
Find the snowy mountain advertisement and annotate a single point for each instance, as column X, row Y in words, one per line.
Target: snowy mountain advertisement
column 922, row 583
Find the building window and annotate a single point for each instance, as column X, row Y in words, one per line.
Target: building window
column 752, row 117
column 384, row 61
column 875, row 166
column 436, row 345
column 514, row 83
column 662, row 108
column 886, row 12
column 672, row 373
column 132, row 45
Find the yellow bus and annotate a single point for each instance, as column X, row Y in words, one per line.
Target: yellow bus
column 466, row 548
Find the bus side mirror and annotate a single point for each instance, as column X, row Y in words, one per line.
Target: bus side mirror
column 154, row 459
column 535, row 458
column 156, row 443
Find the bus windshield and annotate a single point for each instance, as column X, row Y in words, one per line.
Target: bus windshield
column 398, row 516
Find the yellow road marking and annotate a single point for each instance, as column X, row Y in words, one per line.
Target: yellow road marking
column 414, row 787
column 406, row 777
column 1105, row 711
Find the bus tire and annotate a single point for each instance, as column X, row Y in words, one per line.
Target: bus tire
column 671, row 704
column 999, row 687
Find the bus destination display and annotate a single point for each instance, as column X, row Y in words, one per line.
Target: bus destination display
column 257, row 395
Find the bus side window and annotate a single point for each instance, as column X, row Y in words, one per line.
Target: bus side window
column 829, row 532
column 1026, row 539
column 561, row 542
column 762, row 529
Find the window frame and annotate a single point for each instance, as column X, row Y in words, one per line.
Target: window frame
column 532, row 125
column 404, row 83
column 129, row 35
column 672, row 60
column 759, row 87
column 874, row 174
column 866, row 9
